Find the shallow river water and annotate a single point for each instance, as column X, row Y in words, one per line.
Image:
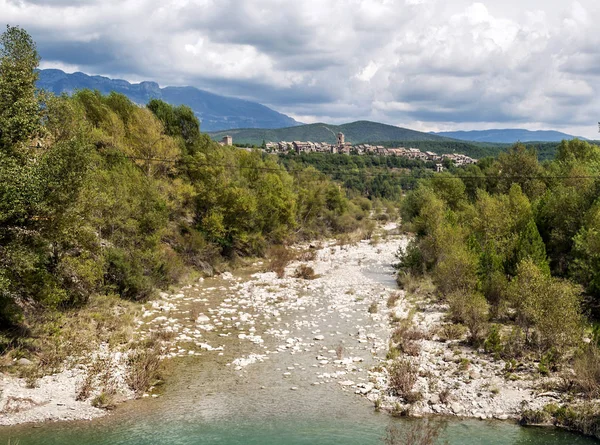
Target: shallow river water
column 287, row 398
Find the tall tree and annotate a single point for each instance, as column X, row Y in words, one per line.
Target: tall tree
column 19, row 106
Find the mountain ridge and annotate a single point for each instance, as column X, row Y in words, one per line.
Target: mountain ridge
column 508, row 135
column 358, row 132
column 215, row 112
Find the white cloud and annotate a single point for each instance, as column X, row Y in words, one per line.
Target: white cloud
column 423, row 63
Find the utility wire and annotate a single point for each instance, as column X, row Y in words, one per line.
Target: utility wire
column 363, row 173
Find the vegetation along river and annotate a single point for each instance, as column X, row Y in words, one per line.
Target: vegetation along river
column 255, row 363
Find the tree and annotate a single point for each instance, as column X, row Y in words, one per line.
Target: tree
column 19, row 107
column 548, row 307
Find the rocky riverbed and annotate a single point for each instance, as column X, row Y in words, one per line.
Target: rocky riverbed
column 331, row 330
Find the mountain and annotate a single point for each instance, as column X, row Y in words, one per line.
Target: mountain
column 215, row 112
column 355, row 132
column 507, row 136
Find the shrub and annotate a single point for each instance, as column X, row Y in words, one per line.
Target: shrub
column 125, row 275
column 305, row 272
column 452, row 331
column 393, row 299
column 403, row 376
column 493, row 342
column 587, row 371
column 548, row 307
column 535, row 417
column 373, row 308
column 144, row 366
column 445, row 396
column 280, row 256
column 471, row 309
column 456, row 271
column 514, row 344
column 104, row 400
column 584, row 418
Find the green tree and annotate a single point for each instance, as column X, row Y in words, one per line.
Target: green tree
column 19, row 106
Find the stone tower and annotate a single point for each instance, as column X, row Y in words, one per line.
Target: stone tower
column 341, row 139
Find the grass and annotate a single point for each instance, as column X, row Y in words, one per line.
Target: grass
column 104, row 400
column 587, row 371
column 144, row 366
column 55, row 337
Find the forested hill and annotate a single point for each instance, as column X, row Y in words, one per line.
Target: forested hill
column 355, row 132
column 508, row 136
column 214, row 111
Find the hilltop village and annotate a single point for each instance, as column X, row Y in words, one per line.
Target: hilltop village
column 343, row 147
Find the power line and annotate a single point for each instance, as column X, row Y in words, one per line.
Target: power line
column 363, row 173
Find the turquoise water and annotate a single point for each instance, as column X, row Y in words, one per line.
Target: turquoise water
column 199, row 409
column 299, row 431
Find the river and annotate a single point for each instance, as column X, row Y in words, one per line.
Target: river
column 295, row 393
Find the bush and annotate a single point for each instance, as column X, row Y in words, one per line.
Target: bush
column 305, row 272
column 402, row 377
column 587, row 371
column 493, row 342
column 583, row 418
column 471, row 309
column 280, row 256
column 373, row 308
column 144, row 366
column 456, row 271
column 547, row 306
column 452, row 331
column 393, row 299
column 104, row 400
column 535, row 417
column 125, row 276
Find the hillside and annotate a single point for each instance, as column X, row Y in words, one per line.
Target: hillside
column 355, row 132
column 507, row 136
column 214, row 111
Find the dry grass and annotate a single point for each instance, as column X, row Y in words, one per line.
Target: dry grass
column 402, row 376
column 144, row 366
column 56, row 337
column 15, row 405
column 393, row 299
column 587, row 371
column 104, row 400
column 373, row 308
column 405, row 337
column 280, row 257
column 305, row 272
column 451, row 331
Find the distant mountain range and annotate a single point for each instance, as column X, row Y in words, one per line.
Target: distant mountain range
column 214, row 111
column 356, row 132
column 507, row 136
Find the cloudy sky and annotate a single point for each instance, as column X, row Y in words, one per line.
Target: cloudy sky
column 425, row 64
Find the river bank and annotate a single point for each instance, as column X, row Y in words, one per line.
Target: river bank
column 314, row 336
